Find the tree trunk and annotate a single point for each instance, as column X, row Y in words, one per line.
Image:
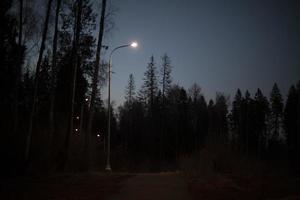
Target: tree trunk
column 94, row 84
column 36, row 81
column 19, row 72
column 53, row 75
column 53, row 81
column 76, row 63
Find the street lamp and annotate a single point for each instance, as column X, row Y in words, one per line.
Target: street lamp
column 133, row 45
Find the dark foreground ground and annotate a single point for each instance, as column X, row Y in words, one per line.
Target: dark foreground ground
column 173, row 186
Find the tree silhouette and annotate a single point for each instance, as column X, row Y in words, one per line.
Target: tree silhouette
column 166, row 70
column 290, row 124
column 54, row 71
column 130, row 90
column 276, row 112
column 95, row 79
column 149, row 89
column 236, row 119
column 75, row 56
column 261, row 109
column 11, row 60
column 275, row 123
column 199, row 116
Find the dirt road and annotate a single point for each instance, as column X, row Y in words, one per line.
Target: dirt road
column 114, row 186
column 167, row 186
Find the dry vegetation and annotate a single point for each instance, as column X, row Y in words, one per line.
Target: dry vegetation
column 218, row 173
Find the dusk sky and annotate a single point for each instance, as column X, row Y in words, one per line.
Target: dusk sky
column 220, row 45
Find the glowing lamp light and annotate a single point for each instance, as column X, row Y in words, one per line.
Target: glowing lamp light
column 134, row 44
column 98, row 135
column 86, row 99
column 77, row 117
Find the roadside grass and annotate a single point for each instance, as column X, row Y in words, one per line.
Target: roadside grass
column 216, row 173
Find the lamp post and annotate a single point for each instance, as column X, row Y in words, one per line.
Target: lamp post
column 133, row 45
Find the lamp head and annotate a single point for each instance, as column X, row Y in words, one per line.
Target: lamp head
column 134, row 44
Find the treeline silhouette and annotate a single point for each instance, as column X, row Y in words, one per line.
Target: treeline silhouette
column 164, row 122
column 54, row 119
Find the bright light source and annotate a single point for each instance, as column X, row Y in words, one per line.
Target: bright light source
column 77, row 117
column 76, row 129
column 98, row 135
column 86, row 99
column 134, row 44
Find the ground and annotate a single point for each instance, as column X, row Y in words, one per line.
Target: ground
column 223, row 187
column 88, row 186
column 101, row 186
column 167, row 186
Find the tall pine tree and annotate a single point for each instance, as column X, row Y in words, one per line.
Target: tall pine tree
column 261, row 109
column 291, row 116
column 276, row 112
column 166, row 80
column 150, row 87
column 236, row 118
column 130, row 90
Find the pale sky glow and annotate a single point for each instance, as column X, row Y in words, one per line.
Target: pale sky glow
column 221, row 45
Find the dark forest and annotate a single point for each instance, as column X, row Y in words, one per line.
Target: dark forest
column 54, row 119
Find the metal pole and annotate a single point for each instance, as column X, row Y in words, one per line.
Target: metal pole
column 109, row 108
